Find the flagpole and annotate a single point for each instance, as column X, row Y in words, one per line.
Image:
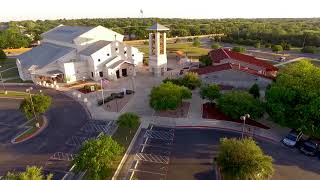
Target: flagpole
column 102, row 92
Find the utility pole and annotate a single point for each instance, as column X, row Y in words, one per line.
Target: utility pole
column 34, row 112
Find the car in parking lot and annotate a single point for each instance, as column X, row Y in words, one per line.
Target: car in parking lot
column 293, row 138
column 310, row 147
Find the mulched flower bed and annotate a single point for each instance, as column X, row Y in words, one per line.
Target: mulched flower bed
column 180, row 112
column 210, row 111
column 87, row 88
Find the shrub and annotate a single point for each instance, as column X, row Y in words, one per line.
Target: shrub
column 277, row 48
column 238, row 103
column 255, row 91
column 2, row 54
column 168, row 96
column 190, row 80
column 267, row 45
column 309, row 49
column 239, row 49
column 129, row 120
column 205, row 60
column 196, row 42
column 257, row 45
column 215, row 46
column 210, row 92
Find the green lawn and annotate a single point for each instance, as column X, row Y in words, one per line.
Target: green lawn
column 17, row 94
column 120, row 136
column 7, row 63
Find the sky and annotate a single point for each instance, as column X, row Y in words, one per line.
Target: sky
column 75, row 9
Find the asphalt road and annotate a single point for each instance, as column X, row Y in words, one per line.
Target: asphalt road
column 194, row 149
column 65, row 116
column 192, row 152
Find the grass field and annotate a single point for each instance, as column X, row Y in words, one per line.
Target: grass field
column 7, row 63
column 16, row 94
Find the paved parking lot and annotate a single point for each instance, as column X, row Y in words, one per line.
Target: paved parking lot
column 190, row 153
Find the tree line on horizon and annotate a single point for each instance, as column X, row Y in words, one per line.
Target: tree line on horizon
column 296, row 32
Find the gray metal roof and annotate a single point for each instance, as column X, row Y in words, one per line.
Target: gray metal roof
column 65, row 33
column 94, row 47
column 42, row 55
column 158, row 27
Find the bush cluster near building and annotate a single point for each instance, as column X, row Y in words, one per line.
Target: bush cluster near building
column 237, row 103
column 168, row 96
column 190, row 80
column 205, row 60
column 243, row 159
column 239, row 49
column 293, row 100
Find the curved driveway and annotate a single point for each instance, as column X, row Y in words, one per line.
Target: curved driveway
column 65, row 116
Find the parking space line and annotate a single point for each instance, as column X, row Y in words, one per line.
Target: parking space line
column 162, row 135
column 61, row 156
column 152, row 158
column 150, row 172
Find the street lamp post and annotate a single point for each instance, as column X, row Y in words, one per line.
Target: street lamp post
column 243, row 118
column 34, row 112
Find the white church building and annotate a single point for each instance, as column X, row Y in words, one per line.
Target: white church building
column 72, row 53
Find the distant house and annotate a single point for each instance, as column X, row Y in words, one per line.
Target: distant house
column 236, row 69
column 71, row 53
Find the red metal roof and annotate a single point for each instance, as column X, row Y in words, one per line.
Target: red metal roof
column 220, row 54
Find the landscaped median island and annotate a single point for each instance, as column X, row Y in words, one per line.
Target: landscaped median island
column 100, row 157
column 35, row 127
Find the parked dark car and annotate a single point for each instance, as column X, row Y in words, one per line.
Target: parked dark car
column 310, row 147
column 292, row 139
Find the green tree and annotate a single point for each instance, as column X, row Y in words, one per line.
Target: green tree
column 168, row 96
column 210, row 92
column 255, row 91
column 277, row 48
column 98, row 157
column 239, row 49
column 243, row 159
column 295, row 93
column 215, row 46
column 41, row 104
column 128, row 120
column 238, row 103
column 196, row 42
column 309, row 49
column 205, row 60
column 31, row 173
column 2, row 54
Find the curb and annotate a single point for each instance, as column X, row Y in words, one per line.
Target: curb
column 229, row 129
column 33, row 135
column 124, row 158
